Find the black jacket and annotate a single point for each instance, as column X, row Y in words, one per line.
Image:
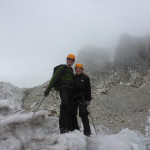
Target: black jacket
column 82, row 85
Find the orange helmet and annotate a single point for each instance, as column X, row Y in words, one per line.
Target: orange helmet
column 79, row 65
column 72, row 56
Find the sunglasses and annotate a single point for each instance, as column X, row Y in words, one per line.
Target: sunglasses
column 70, row 59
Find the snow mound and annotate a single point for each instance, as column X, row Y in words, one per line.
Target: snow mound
column 12, row 93
column 5, row 103
column 72, row 141
column 45, row 135
column 135, row 137
column 21, row 118
column 113, row 142
column 5, row 107
column 77, row 141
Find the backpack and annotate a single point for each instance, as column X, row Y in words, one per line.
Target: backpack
column 55, row 68
column 56, row 85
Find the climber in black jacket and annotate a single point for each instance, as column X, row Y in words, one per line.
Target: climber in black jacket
column 82, row 90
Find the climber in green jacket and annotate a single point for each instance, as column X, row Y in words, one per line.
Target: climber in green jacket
column 62, row 80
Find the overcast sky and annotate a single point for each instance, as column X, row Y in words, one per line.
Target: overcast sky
column 36, row 35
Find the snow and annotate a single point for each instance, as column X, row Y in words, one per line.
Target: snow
column 19, row 118
column 5, row 107
column 19, row 131
column 114, row 142
column 46, row 136
column 73, row 141
column 147, row 128
column 5, row 103
column 12, row 93
column 128, row 84
column 135, row 137
column 125, row 140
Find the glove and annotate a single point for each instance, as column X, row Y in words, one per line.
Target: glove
column 87, row 102
column 46, row 93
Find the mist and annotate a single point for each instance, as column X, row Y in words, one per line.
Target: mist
column 37, row 35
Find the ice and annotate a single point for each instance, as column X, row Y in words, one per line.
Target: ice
column 135, row 137
column 114, row 142
column 12, row 93
column 18, row 130
column 125, row 140
column 73, row 141
column 19, row 118
column 77, row 141
column 5, row 103
column 44, row 135
column 5, row 107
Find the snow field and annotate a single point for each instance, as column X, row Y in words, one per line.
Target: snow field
column 18, row 131
column 45, row 135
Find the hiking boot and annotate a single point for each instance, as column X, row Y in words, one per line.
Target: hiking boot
column 87, row 134
column 62, row 131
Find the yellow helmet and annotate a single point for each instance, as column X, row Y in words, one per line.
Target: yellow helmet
column 72, row 56
column 79, row 65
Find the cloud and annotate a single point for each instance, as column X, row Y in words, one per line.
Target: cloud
column 37, row 35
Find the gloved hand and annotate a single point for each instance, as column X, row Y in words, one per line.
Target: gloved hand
column 46, row 93
column 87, row 102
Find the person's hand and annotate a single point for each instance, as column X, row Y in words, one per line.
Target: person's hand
column 46, row 93
column 87, row 102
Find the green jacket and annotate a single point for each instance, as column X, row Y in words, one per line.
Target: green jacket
column 67, row 76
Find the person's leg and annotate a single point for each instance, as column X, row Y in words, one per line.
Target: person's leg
column 83, row 113
column 73, row 112
column 64, row 109
column 74, row 117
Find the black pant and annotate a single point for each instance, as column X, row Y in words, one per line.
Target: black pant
column 83, row 113
column 67, row 119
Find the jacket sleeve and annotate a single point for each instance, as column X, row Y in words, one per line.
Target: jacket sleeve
column 55, row 78
column 88, row 89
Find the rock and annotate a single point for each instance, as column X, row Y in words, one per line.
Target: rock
column 125, row 105
column 132, row 58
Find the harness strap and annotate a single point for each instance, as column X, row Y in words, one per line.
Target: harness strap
column 66, row 84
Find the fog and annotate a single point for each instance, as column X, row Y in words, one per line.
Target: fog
column 37, row 35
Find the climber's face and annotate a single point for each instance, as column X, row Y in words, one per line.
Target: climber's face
column 70, row 61
column 79, row 70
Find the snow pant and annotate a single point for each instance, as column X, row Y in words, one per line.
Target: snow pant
column 83, row 113
column 67, row 118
